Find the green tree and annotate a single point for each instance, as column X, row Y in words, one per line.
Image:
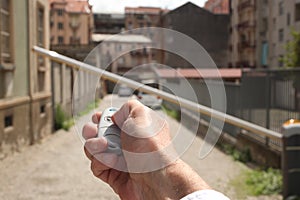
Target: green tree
column 292, row 60
column 292, row 56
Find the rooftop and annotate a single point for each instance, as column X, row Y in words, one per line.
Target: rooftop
column 74, row 6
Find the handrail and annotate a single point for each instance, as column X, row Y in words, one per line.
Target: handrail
column 164, row 95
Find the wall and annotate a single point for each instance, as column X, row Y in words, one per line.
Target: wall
column 208, row 29
column 41, row 112
column 28, row 109
column 16, row 104
column 14, row 138
column 82, row 24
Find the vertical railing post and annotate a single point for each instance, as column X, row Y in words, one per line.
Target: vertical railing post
column 53, row 95
column 63, row 85
column 290, row 159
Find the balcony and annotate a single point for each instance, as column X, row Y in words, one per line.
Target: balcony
column 246, row 45
column 74, row 40
column 246, row 24
column 74, row 24
column 245, row 4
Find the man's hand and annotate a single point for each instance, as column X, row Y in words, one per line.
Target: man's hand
column 174, row 181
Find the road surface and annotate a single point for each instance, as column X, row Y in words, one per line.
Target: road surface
column 57, row 168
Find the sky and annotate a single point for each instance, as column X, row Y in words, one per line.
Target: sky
column 117, row 6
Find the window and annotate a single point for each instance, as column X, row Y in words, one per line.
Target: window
column 8, row 121
column 288, row 19
column 280, row 35
column 243, row 38
column 42, row 109
column 274, row 23
column 280, row 61
column 60, row 12
column 265, row 24
column 60, row 40
column 60, row 26
column 140, row 16
column 41, row 67
column 280, row 7
column 6, row 51
column 6, row 46
column 297, row 12
column 40, row 26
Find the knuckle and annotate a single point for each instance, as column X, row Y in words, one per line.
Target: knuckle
column 138, row 111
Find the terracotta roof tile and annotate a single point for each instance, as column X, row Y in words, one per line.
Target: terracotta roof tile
column 200, row 73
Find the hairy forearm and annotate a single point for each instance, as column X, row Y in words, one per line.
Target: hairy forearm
column 175, row 181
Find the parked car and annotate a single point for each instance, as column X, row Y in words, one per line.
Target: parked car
column 124, row 91
column 150, row 100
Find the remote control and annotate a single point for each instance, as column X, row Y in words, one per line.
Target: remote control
column 107, row 129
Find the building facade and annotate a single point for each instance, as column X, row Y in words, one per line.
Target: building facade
column 243, row 31
column 25, row 89
column 217, row 6
column 105, row 23
column 260, row 31
column 120, row 53
column 206, row 28
column 142, row 19
column 71, row 22
column 284, row 16
column 139, row 17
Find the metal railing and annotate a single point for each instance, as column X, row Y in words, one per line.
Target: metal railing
column 164, row 95
column 290, row 168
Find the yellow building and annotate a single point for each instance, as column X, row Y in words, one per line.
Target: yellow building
column 71, row 22
column 25, row 94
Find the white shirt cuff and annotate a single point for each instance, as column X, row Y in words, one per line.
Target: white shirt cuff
column 205, row 195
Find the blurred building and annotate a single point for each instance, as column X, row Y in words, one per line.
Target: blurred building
column 106, row 23
column 121, row 53
column 25, row 89
column 243, row 34
column 139, row 17
column 71, row 22
column 145, row 18
column 282, row 17
column 206, row 28
column 217, row 6
column 260, row 31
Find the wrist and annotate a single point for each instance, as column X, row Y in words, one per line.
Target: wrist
column 176, row 181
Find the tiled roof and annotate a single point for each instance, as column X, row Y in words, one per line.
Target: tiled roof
column 200, row 73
